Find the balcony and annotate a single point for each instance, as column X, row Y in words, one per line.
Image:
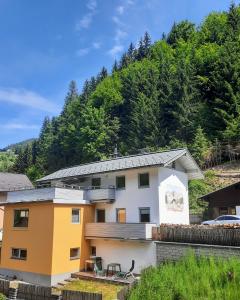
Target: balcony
column 54, row 194
column 101, row 194
column 124, row 231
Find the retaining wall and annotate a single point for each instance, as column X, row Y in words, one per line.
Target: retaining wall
column 172, row 251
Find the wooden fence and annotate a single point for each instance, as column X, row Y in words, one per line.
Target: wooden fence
column 74, row 295
column 197, row 234
column 34, row 292
column 4, row 287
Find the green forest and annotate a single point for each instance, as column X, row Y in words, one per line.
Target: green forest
column 182, row 90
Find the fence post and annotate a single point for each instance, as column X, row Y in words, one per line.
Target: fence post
column 12, row 295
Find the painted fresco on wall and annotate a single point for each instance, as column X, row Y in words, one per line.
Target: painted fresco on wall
column 174, row 198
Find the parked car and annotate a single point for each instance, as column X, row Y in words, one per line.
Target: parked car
column 225, row 219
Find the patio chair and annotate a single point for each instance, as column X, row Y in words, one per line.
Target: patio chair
column 98, row 269
column 125, row 275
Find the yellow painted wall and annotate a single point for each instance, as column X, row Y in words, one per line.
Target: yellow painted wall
column 68, row 235
column 37, row 238
column 3, row 198
column 48, row 238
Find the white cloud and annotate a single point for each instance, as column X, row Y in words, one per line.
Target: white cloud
column 86, row 20
column 20, row 126
column 120, row 9
column 96, row 45
column 83, row 51
column 117, row 21
column 28, row 98
column 120, row 34
column 115, row 50
column 92, row 4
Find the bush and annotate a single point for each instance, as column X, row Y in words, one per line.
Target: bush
column 2, row 297
column 189, row 279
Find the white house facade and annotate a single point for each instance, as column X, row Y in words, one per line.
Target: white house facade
column 130, row 195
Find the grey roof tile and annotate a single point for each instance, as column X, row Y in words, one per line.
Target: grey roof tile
column 120, row 163
column 10, row 181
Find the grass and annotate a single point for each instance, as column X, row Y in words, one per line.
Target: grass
column 108, row 290
column 190, row 279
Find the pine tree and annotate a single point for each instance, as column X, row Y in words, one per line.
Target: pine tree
column 102, row 74
column 184, row 30
column 124, row 61
column 234, row 17
column 141, row 50
column 146, row 43
column 115, row 67
column 131, row 52
column 200, row 147
column 72, row 93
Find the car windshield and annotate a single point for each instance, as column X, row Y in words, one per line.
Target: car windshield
column 221, row 218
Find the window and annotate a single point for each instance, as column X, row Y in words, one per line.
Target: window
column 144, row 214
column 223, row 211
column 120, row 182
column 121, row 215
column 222, row 218
column 96, row 183
column 232, row 218
column 93, row 251
column 19, row 253
column 100, row 216
column 74, row 253
column 75, row 216
column 21, row 218
column 143, row 180
column 232, row 210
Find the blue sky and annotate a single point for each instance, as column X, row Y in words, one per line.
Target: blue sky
column 45, row 44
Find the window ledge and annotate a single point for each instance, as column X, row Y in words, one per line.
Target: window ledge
column 19, row 228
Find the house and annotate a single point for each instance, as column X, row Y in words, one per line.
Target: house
column 223, row 201
column 105, row 209
column 9, row 182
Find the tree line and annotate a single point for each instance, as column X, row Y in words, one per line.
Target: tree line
column 182, row 90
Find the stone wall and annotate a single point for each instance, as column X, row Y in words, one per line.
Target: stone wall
column 172, row 251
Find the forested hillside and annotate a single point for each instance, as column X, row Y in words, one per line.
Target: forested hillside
column 181, row 90
column 7, row 160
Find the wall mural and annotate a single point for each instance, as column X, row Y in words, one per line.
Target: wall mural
column 174, row 198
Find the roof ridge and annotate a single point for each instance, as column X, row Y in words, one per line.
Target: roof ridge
column 11, row 173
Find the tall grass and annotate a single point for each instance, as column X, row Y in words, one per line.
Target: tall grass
column 190, row 279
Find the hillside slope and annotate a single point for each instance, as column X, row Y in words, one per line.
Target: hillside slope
column 215, row 178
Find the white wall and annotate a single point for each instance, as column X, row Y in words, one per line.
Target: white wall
column 57, row 194
column 144, row 253
column 133, row 197
column 170, row 180
column 238, row 210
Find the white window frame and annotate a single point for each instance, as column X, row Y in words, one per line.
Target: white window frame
column 19, row 254
column 79, row 215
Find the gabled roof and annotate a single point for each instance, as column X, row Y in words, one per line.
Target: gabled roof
column 206, row 197
column 11, row 181
column 164, row 158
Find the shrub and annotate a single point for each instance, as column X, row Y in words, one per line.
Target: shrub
column 2, row 297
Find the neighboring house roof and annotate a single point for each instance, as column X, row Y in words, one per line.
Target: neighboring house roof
column 129, row 162
column 206, row 197
column 10, row 182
